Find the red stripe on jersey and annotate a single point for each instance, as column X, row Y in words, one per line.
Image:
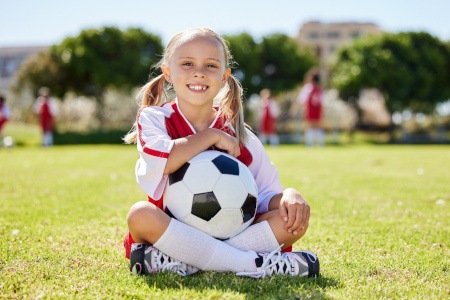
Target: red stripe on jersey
column 176, row 125
column 245, row 157
column 149, row 151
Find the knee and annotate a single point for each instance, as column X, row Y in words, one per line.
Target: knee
column 146, row 222
column 138, row 213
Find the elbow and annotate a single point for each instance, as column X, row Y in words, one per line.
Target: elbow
column 169, row 170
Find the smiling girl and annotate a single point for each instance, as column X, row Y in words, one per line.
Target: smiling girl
column 207, row 113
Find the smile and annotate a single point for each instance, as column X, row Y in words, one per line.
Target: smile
column 197, row 87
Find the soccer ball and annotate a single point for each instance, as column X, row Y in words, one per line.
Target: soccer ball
column 213, row 192
column 8, row 142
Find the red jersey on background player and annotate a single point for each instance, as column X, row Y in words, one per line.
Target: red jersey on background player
column 4, row 114
column 269, row 113
column 47, row 110
column 311, row 99
column 195, row 65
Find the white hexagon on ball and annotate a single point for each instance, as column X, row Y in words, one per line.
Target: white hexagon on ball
column 179, row 191
column 195, row 178
column 232, row 191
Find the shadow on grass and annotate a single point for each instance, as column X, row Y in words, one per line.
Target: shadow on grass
column 275, row 287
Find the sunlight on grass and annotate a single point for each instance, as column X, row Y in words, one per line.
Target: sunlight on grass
column 379, row 223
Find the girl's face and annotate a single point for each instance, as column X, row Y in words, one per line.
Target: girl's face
column 197, row 70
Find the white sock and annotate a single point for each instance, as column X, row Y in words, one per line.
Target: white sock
column 196, row 248
column 309, row 137
column 320, row 137
column 258, row 237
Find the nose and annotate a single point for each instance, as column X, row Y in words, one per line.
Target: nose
column 199, row 72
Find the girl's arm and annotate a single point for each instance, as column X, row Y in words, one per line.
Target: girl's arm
column 186, row 148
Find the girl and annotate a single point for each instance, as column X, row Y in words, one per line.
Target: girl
column 311, row 99
column 196, row 63
column 4, row 114
column 269, row 113
column 46, row 108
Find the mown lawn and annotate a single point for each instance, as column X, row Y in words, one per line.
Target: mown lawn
column 380, row 224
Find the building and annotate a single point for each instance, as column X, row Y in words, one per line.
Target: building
column 326, row 38
column 10, row 60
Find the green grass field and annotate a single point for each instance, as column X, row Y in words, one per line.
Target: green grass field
column 380, row 224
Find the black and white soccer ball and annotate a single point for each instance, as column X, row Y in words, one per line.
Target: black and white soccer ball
column 213, row 192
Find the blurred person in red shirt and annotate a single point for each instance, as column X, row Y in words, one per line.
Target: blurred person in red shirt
column 269, row 112
column 47, row 110
column 310, row 99
column 4, row 114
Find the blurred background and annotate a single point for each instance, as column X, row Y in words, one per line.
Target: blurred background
column 384, row 65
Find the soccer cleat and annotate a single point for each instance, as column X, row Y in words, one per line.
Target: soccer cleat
column 146, row 259
column 303, row 263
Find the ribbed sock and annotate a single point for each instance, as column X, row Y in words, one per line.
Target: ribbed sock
column 196, row 248
column 258, row 237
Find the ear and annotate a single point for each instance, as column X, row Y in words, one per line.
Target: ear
column 226, row 75
column 166, row 72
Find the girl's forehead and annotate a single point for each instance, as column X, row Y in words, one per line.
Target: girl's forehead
column 196, row 43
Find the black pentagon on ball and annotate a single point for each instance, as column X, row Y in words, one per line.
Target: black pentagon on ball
column 205, row 206
column 178, row 174
column 248, row 208
column 226, row 165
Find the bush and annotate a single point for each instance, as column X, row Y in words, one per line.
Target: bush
column 97, row 137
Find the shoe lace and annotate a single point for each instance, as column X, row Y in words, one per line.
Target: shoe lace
column 162, row 262
column 293, row 262
column 269, row 265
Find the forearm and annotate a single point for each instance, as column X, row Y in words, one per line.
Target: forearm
column 186, row 148
column 274, row 202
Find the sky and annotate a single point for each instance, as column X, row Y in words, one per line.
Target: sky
column 46, row 22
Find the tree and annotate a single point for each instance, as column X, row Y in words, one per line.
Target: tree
column 411, row 69
column 93, row 61
column 282, row 63
column 243, row 49
column 42, row 69
column 276, row 62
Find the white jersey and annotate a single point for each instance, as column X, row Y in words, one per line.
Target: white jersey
column 4, row 112
column 159, row 126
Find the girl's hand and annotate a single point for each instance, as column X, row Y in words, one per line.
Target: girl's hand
column 294, row 210
column 187, row 147
column 227, row 143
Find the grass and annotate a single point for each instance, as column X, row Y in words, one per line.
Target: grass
column 380, row 225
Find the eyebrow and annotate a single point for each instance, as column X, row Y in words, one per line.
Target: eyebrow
column 209, row 58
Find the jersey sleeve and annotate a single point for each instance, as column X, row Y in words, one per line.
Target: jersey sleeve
column 5, row 113
column 37, row 105
column 304, row 93
column 54, row 110
column 154, row 145
column 274, row 109
column 265, row 173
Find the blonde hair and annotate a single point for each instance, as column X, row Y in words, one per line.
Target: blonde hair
column 44, row 91
column 156, row 91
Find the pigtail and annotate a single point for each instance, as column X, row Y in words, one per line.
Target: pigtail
column 150, row 94
column 232, row 108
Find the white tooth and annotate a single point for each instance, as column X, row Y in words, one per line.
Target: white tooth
column 198, row 88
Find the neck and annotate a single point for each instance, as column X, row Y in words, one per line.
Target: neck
column 200, row 117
